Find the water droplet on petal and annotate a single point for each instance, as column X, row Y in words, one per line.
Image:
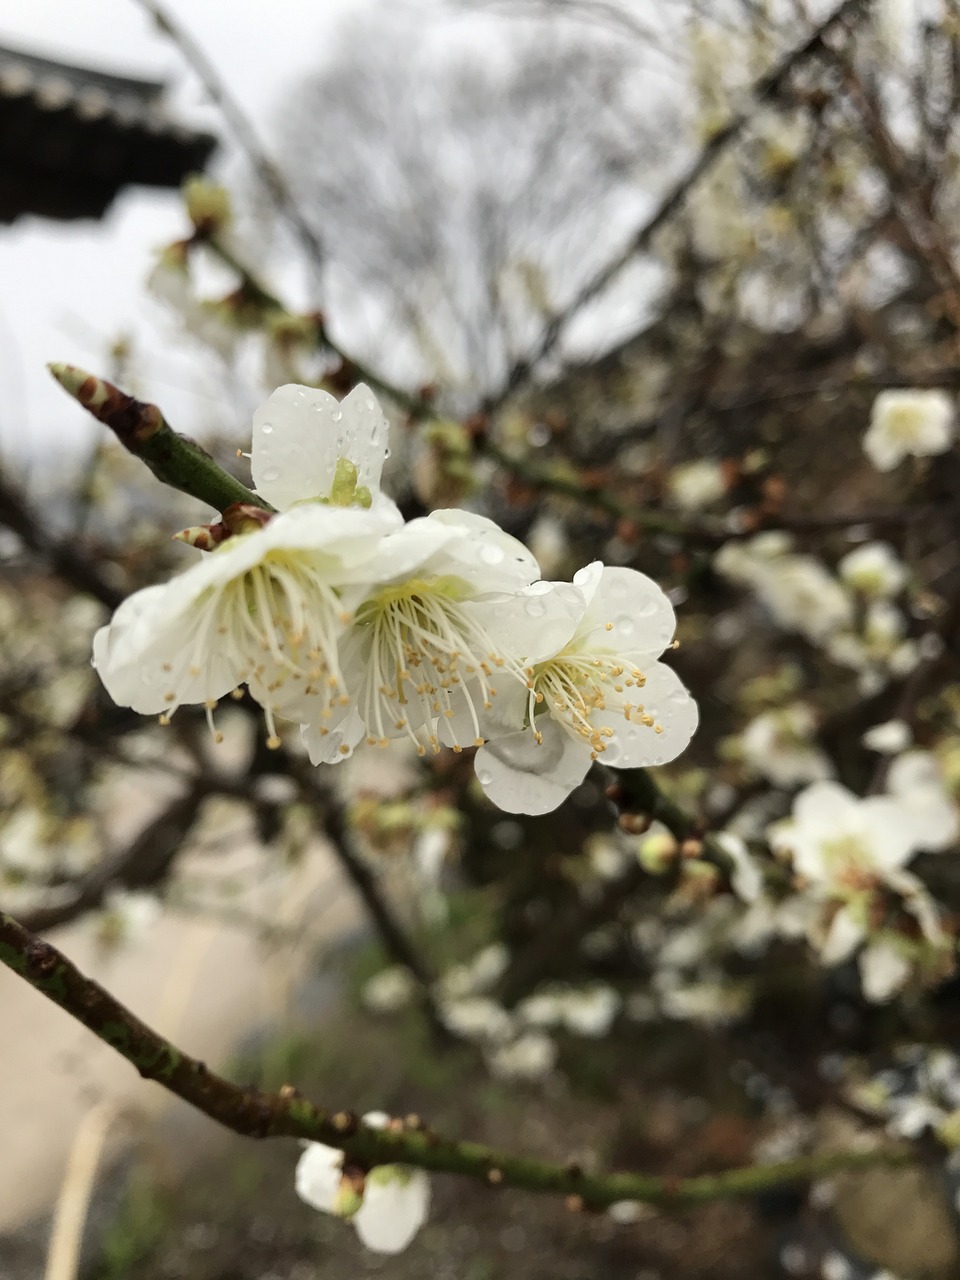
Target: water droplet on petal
column 647, row 608
column 266, row 428
column 337, row 415
column 271, row 474
column 625, row 625
column 490, row 554
column 484, row 777
column 680, row 696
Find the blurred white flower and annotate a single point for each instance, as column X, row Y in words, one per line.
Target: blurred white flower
column 884, row 969
column 530, row 1057
column 778, row 745
column 847, row 851
column 476, row 1018
column 387, row 1207
column 888, row 738
column 746, row 879
column 477, row 975
column 694, row 485
column 549, row 543
column 595, row 688
column 921, row 423
column 798, row 590
column 874, row 570
column 591, row 1012
column 389, row 990
column 915, row 780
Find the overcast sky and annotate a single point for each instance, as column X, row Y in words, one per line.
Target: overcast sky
column 66, row 289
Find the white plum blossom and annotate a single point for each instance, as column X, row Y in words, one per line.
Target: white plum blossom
column 916, row 782
column 778, row 745
column 531, row 1056
column 851, row 853
column 882, row 648
column 390, row 989
column 588, row 1012
column 874, row 570
column 694, row 485
column 476, row 1018
column 594, row 688
column 889, row 738
column 435, row 638
column 799, row 591
column 387, row 1207
column 268, row 606
column 909, row 422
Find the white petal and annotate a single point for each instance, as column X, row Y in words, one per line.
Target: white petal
column 642, row 618
column 890, row 830
column 296, row 443
column 364, row 432
column 636, row 745
column 337, row 743
column 825, row 810
column 393, row 1211
column 521, row 775
column 883, row 971
column 318, row 1176
column 845, row 935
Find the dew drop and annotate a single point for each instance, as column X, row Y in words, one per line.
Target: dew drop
column 680, row 696
column 647, row 608
column 337, row 415
column 271, row 474
column 266, row 428
column 625, row 625
column 490, row 554
column 484, row 777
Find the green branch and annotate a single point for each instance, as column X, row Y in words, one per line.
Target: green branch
column 142, row 429
column 257, row 1114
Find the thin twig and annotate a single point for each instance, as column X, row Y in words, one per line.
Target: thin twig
column 266, row 169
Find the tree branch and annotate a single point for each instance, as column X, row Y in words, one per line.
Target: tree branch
column 256, row 1114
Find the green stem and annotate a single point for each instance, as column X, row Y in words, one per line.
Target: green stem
column 142, row 429
column 257, row 1114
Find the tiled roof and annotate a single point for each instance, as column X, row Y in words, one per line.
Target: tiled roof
column 71, row 138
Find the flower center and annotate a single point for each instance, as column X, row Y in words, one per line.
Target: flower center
column 430, row 658
column 848, row 857
column 574, row 686
column 278, row 625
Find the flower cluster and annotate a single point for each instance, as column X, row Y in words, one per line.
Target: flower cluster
column 341, row 618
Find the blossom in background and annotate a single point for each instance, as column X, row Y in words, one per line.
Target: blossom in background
column 889, row 738
column 389, row 990
column 268, row 606
column 799, row 591
column 694, row 485
column 595, row 688
column 531, row 1056
column 851, row 855
column 778, row 745
column 874, row 570
column 921, row 423
column 588, row 1011
column 916, row 782
column 388, row 1205
column 881, row 649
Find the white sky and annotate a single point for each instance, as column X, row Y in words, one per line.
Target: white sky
column 66, row 289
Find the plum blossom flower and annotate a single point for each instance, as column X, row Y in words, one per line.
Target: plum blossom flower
column 889, row 738
column 874, row 570
column 778, row 745
column 916, row 782
column 530, row 1057
column 387, row 1206
column 268, row 606
column 921, row 423
column 694, row 485
column 432, row 641
column 798, row 590
column 851, row 855
column 594, row 687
